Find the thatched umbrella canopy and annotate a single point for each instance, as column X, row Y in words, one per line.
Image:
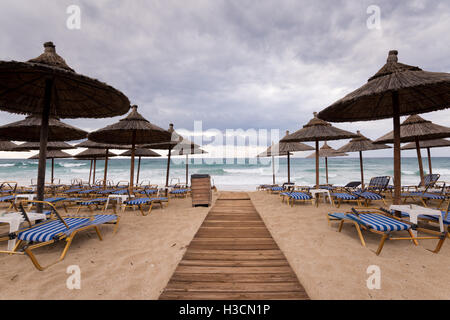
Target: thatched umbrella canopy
column 284, row 149
column 175, row 141
column 415, row 128
column 318, row 130
column 396, row 89
column 53, row 154
column 187, row 150
column 52, row 145
column 360, row 144
column 29, row 129
column 8, row 146
column 47, row 86
column 327, row 152
column 141, row 152
column 94, row 155
column 96, row 145
column 133, row 129
column 428, row 144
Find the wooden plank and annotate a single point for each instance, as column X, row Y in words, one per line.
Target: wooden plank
column 235, row 277
column 206, row 269
column 213, row 295
column 234, row 263
column 233, row 255
column 192, row 286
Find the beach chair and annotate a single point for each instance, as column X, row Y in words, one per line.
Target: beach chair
column 341, row 194
column 8, row 187
column 382, row 222
column 98, row 203
column 300, row 196
column 374, row 190
column 56, row 230
column 422, row 191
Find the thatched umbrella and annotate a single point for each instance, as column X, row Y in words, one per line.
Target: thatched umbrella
column 133, row 129
column 54, row 154
column 327, row 152
column 396, row 89
column 141, row 152
column 176, row 140
column 428, row 144
column 47, row 86
column 95, row 145
column 51, row 146
column 360, row 144
column 415, row 128
column 94, row 155
column 284, row 149
column 318, row 130
column 181, row 150
column 8, row 146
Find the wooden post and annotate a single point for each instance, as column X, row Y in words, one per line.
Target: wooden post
column 43, row 143
column 362, row 169
column 289, row 167
column 168, row 169
column 133, row 152
column 90, row 173
column 93, row 173
column 326, row 168
column 397, row 156
column 419, row 159
column 53, row 170
column 317, row 164
column 187, row 170
column 105, row 176
column 273, row 169
column 429, row 161
column 138, row 171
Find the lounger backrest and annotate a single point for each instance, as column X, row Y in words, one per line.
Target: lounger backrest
column 430, row 180
column 352, row 184
column 379, row 183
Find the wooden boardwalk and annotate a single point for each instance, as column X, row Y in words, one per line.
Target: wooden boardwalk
column 233, row 256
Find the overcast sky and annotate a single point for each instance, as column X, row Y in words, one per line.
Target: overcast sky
column 232, row 64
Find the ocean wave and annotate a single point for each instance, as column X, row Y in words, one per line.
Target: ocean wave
column 442, row 171
column 7, row 165
column 71, row 165
column 82, row 170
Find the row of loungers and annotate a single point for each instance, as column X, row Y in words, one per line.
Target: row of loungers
column 385, row 223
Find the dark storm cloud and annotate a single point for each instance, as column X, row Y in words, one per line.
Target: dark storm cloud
column 232, row 64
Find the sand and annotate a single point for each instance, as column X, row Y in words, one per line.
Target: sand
column 138, row 261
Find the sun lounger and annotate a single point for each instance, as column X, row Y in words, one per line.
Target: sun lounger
column 422, row 191
column 299, row 196
column 55, row 230
column 374, row 190
column 92, row 202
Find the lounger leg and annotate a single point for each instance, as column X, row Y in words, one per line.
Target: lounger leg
column 34, row 260
column 440, row 243
column 117, row 225
column 424, row 202
column 341, row 224
column 414, row 237
column 380, row 247
column 151, row 207
column 97, row 230
column 358, row 229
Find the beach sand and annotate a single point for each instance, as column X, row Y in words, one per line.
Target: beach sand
column 138, row 261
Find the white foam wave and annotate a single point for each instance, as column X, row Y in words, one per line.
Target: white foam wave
column 7, row 165
column 71, row 165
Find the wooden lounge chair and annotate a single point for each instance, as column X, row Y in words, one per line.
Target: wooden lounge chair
column 341, row 194
column 374, row 191
column 55, row 230
column 422, row 191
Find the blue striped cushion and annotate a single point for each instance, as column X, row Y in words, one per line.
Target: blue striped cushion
column 47, row 231
column 338, row 215
column 7, row 198
column 433, row 196
column 344, row 196
column 159, row 199
column 369, row 195
column 87, row 191
column 446, row 220
column 137, row 201
column 277, row 188
column 94, row 201
column 379, row 222
column 412, row 194
column 299, row 196
column 151, row 191
column 101, row 218
column 73, row 190
column 178, row 191
column 285, row 194
column 53, row 200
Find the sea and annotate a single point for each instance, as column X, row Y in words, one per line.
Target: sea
column 227, row 174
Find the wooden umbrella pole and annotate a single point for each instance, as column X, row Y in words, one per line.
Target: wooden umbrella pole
column 362, row 169
column 326, row 168
column 90, row 173
column 187, row 170
column 317, row 164
column 105, row 176
column 168, row 169
column 273, row 169
column 419, row 158
column 93, row 172
column 43, row 143
column 138, row 171
column 429, row 161
column 289, row 167
column 133, row 152
column 397, row 158
column 53, row 170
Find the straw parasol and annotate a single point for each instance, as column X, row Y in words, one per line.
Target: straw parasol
column 327, row 152
column 29, row 130
column 95, row 145
column 318, row 130
column 176, row 141
column 8, row 146
column 187, row 150
column 141, row 152
column 428, row 144
column 415, row 128
column 360, row 144
column 396, row 89
column 133, row 129
column 284, row 149
column 54, row 154
column 94, row 155
column 47, row 86
column 52, row 145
